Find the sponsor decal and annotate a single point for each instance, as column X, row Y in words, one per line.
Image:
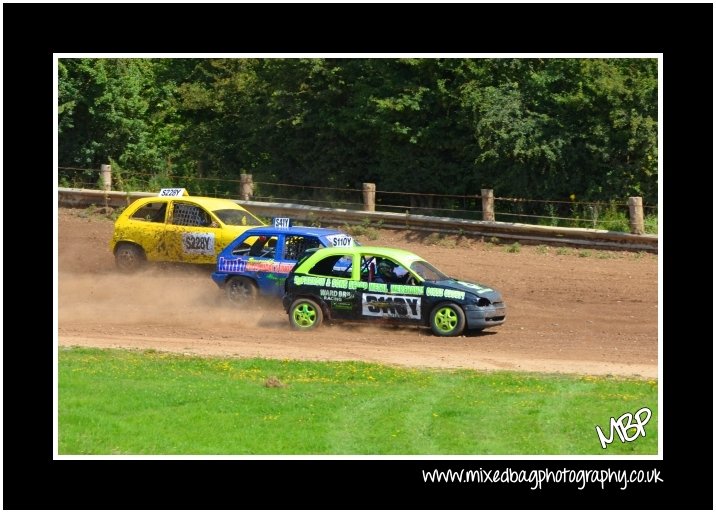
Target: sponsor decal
column 329, row 294
column 434, row 292
column 340, row 240
column 239, row 265
column 309, row 280
column 386, row 305
column 269, row 266
column 274, row 277
column 198, row 243
column 450, row 294
column 454, row 294
column 475, row 286
column 414, row 290
column 231, row 265
column 342, row 283
column 378, row 287
column 337, row 283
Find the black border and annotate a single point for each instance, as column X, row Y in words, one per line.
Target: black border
column 32, row 32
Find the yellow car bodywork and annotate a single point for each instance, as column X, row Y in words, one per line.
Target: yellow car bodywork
column 187, row 229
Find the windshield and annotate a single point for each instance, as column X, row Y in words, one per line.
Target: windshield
column 236, row 217
column 427, row 272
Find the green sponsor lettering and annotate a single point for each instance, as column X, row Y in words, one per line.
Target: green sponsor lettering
column 454, row 294
column 434, row 292
column 378, row 287
column 309, row 280
column 339, row 283
column 414, row 290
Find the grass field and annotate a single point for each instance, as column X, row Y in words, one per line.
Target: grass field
column 149, row 403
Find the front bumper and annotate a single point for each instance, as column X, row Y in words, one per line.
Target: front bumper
column 286, row 301
column 219, row 279
column 481, row 317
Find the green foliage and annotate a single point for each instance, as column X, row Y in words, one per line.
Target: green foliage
column 528, row 128
column 116, row 110
column 651, row 224
column 152, row 403
column 440, row 239
column 513, row 248
column 313, row 220
column 614, row 220
column 365, row 229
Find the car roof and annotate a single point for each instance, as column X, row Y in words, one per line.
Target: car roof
column 396, row 253
column 205, row 201
column 293, row 230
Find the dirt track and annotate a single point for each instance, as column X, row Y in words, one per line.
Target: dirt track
column 592, row 314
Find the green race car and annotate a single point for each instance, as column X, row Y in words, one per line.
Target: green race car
column 364, row 283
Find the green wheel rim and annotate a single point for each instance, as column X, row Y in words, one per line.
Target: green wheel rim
column 446, row 319
column 304, row 315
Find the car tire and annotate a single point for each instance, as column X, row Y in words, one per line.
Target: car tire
column 305, row 314
column 128, row 257
column 447, row 320
column 240, row 290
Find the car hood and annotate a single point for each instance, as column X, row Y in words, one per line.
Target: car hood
column 471, row 288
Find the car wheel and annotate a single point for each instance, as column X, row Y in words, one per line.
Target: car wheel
column 239, row 290
column 129, row 257
column 447, row 320
column 305, row 314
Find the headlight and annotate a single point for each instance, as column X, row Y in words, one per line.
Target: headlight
column 481, row 301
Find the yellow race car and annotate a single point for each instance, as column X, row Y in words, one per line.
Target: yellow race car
column 177, row 227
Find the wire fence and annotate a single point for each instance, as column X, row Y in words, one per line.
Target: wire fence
column 613, row 215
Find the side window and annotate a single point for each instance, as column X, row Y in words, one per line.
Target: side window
column 264, row 247
column 152, row 212
column 367, row 268
column 241, row 249
column 190, row 215
column 338, row 266
column 297, row 244
column 385, row 270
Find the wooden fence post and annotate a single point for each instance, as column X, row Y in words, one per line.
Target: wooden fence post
column 369, row 197
column 636, row 215
column 488, row 204
column 246, row 187
column 106, row 174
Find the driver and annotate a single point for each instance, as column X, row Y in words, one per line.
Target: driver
column 385, row 272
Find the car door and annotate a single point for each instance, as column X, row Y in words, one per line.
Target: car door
column 191, row 234
column 338, row 285
column 263, row 266
column 146, row 227
column 287, row 250
column 385, row 295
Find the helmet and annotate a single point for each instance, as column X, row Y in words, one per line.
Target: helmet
column 385, row 268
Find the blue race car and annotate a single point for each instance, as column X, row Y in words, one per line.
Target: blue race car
column 258, row 261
